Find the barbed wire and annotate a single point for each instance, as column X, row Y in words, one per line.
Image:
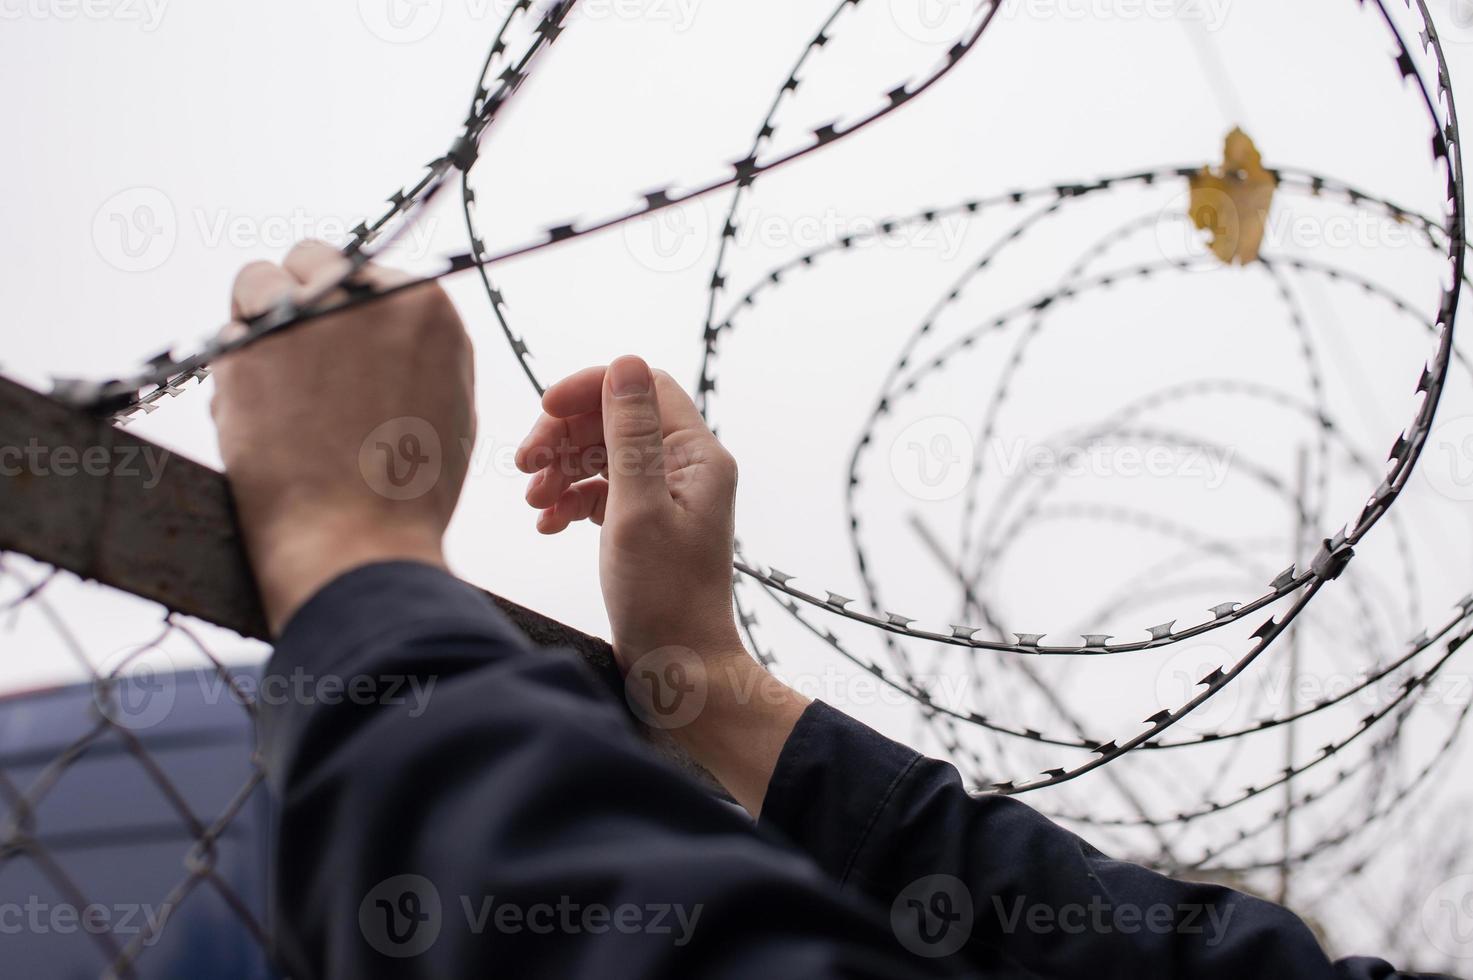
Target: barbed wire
column 896, row 627
column 912, row 688
column 989, row 528
column 124, row 397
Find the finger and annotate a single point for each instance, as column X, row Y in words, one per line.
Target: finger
column 585, row 501
column 318, row 266
column 258, row 287
column 231, row 332
column 677, row 409
column 312, row 260
column 544, row 489
column 582, row 392
column 577, row 394
column 634, row 435
column 552, row 438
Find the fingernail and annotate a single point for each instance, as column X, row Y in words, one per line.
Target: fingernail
column 629, row 376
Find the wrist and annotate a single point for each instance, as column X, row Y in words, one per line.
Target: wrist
column 747, row 719
column 296, row 559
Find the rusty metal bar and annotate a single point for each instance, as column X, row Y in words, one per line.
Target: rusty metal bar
column 80, row 494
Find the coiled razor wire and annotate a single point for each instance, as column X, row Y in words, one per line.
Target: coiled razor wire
column 1418, row 646
column 983, row 539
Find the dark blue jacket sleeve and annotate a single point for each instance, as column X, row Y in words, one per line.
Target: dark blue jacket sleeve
column 455, row 805
column 1006, row 888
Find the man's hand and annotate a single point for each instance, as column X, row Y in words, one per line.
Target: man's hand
column 626, row 448
column 346, row 440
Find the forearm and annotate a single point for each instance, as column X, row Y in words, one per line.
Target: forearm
column 879, row 818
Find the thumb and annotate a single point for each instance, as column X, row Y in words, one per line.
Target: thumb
column 634, row 437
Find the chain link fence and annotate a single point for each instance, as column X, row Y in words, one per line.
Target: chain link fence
column 135, row 828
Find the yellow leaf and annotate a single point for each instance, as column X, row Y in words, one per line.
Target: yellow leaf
column 1233, row 203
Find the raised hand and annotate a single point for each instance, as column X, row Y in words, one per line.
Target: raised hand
column 346, row 441
column 624, row 447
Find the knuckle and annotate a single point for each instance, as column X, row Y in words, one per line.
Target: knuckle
column 640, row 423
column 633, row 535
column 633, row 461
column 437, row 313
column 727, row 464
column 257, row 268
column 257, row 287
column 305, row 247
column 433, row 299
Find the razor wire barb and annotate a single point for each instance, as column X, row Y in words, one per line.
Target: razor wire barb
column 986, row 534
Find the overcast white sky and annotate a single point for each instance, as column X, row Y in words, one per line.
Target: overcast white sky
column 157, row 145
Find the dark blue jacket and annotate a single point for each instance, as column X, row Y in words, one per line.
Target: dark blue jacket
column 507, row 821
